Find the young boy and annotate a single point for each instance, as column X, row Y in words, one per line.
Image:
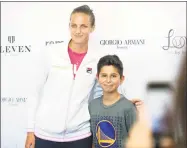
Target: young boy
column 112, row 115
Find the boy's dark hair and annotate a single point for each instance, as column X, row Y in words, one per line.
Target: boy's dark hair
column 110, row 60
column 86, row 10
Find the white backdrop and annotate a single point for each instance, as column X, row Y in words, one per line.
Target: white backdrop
column 142, row 27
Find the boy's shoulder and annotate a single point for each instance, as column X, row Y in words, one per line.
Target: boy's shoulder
column 127, row 104
column 95, row 101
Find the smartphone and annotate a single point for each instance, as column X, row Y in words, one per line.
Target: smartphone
column 159, row 102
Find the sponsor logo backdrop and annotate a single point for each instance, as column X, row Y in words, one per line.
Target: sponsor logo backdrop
column 149, row 37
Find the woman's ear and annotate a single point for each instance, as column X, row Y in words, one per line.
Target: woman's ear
column 92, row 29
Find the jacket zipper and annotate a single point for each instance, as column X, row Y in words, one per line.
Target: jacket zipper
column 70, row 95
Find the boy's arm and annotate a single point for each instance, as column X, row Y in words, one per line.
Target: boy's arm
column 131, row 117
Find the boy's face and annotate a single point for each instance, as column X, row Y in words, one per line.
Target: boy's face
column 80, row 28
column 109, row 79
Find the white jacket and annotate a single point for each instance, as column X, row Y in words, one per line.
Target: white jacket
column 58, row 108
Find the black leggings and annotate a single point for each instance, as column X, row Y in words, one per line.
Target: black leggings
column 83, row 143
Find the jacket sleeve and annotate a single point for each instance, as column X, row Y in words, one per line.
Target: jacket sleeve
column 39, row 69
column 97, row 90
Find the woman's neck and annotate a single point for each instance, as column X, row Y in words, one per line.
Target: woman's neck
column 78, row 48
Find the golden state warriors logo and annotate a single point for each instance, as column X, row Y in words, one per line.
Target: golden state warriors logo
column 105, row 133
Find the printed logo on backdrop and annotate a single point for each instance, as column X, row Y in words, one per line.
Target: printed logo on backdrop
column 11, row 39
column 48, row 43
column 13, row 48
column 14, row 101
column 175, row 44
column 123, row 44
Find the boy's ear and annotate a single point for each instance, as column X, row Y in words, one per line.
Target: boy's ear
column 122, row 79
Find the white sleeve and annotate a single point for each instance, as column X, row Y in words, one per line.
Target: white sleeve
column 98, row 91
column 39, row 69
